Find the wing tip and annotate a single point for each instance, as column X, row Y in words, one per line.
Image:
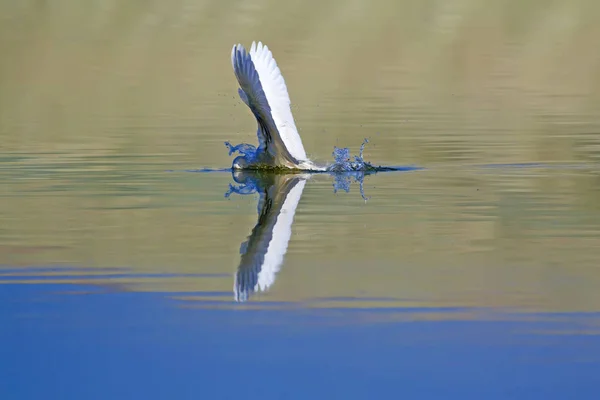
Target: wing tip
column 237, row 51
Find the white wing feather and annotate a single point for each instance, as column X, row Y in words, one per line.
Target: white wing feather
column 252, row 94
column 277, row 95
column 263, row 89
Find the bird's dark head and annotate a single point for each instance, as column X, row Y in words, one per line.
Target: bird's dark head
column 240, row 162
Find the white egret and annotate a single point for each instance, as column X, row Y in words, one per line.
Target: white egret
column 263, row 89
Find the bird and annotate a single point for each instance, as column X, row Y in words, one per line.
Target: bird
column 263, row 253
column 263, row 90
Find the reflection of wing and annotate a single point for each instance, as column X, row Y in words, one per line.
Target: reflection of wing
column 264, row 91
column 263, row 253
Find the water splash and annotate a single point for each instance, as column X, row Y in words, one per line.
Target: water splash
column 249, row 155
column 346, row 169
column 245, row 149
column 344, row 163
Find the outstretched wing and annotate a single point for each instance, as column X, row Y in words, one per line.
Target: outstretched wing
column 263, row 89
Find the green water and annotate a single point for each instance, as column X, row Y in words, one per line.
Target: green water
column 105, row 105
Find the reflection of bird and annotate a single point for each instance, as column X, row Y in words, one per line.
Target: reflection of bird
column 263, row 252
column 263, row 90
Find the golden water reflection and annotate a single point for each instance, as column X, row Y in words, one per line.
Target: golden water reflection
column 99, row 100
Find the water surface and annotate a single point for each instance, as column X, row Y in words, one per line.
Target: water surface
column 473, row 271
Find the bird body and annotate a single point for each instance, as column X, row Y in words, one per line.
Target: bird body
column 263, row 90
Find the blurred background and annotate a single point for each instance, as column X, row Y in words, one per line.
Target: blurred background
column 439, row 81
column 100, row 99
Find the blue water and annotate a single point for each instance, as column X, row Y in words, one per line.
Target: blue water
column 87, row 340
column 84, row 342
